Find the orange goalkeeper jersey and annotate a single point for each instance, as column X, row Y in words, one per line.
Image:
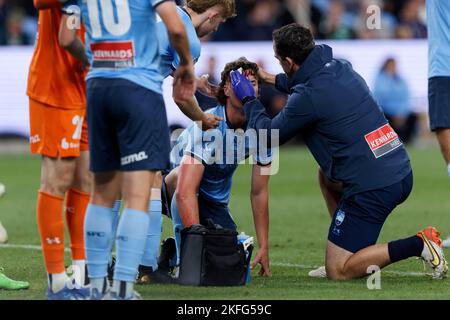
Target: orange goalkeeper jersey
column 55, row 77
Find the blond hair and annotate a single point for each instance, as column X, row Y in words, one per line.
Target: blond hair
column 200, row 6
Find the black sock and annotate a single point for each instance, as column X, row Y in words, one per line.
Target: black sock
column 405, row 248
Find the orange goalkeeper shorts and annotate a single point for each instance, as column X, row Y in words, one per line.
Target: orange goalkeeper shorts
column 56, row 132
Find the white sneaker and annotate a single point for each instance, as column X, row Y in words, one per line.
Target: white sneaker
column 2, row 189
column 446, row 242
column 432, row 252
column 3, row 234
column 320, row 272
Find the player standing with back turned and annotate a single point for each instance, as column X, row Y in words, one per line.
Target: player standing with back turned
column 128, row 128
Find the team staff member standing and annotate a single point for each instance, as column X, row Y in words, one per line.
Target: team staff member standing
column 353, row 143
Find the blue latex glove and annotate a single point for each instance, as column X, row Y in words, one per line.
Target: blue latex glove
column 242, row 87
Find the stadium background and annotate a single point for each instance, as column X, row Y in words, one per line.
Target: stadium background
column 299, row 221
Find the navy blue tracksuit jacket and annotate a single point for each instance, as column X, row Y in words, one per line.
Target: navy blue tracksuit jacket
column 344, row 128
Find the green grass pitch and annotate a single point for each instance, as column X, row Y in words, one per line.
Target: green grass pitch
column 298, row 231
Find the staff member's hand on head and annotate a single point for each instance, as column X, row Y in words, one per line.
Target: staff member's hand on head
column 242, row 87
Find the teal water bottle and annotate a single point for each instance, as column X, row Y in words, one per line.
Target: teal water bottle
column 242, row 238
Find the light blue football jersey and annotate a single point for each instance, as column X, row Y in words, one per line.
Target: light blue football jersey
column 220, row 150
column 438, row 21
column 169, row 57
column 121, row 40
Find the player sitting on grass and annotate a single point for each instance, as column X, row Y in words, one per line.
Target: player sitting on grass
column 203, row 176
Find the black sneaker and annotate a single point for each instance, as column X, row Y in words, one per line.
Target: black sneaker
column 146, row 275
column 168, row 251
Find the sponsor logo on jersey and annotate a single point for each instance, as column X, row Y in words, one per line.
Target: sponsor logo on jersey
column 113, row 54
column 382, row 140
column 135, row 157
column 35, row 139
column 68, row 145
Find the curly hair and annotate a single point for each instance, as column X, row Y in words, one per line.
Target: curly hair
column 225, row 75
column 200, row 6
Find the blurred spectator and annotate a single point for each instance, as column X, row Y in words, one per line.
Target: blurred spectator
column 409, row 17
column 14, row 28
column 332, row 26
column 392, row 94
column 256, row 20
column 301, row 11
column 3, row 17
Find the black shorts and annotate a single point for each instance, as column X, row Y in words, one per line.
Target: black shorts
column 439, row 102
column 359, row 218
column 128, row 128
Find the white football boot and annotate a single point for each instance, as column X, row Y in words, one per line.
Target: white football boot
column 432, row 252
column 320, row 272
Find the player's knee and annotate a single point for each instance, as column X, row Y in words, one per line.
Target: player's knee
column 103, row 199
column 335, row 272
column 57, row 185
column 137, row 199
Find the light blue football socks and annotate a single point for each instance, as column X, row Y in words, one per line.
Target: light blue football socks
column 116, row 216
column 177, row 226
column 130, row 242
column 98, row 235
column 150, row 257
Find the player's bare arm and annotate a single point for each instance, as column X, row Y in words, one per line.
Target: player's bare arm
column 205, row 87
column 259, row 196
column 184, row 79
column 189, row 177
column 69, row 40
column 192, row 110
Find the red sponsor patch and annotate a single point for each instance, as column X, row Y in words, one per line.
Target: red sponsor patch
column 118, row 54
column 382, row 140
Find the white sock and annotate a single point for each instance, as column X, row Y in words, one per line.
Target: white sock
column 57, row 281
column 123, row 289
column 448, row 170
column 101, row 284
column 79, row 271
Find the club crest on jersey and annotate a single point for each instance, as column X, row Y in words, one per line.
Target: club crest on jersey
column 382, row 140
column 340, row 216
column 113, row 54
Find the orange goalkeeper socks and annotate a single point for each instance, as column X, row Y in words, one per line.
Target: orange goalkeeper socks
column 51, row 229
column 76, row 204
